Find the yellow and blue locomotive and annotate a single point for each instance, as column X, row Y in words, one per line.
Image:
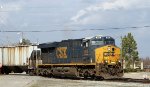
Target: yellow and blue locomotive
column 93, row 57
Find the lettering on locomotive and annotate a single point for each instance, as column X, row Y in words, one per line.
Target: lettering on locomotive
column 61, row 52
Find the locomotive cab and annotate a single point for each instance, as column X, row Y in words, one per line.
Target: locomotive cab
column 106, row 51
column 107, row 57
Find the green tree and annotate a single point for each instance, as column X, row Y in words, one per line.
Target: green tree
column 129, row 50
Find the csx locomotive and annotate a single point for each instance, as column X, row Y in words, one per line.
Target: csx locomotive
column 93, row 57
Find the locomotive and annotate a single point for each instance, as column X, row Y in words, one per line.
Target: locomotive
column 92, row 57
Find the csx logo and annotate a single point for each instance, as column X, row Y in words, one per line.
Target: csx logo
column 61, row 52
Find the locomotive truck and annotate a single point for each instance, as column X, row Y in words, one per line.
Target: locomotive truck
column 93, row 57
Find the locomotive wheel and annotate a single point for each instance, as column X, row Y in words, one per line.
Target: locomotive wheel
column 86, row 74
column 45, row 73
column 100, row 78
column 93, row 77
column 50, row 75
column 112, row 71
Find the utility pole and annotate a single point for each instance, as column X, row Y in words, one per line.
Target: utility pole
column 22, row 36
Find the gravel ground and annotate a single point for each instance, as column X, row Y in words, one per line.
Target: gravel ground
column 140, row 75
column 23, row 80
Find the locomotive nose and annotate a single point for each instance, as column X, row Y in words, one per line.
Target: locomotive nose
column 107, row 54
column 111, row 55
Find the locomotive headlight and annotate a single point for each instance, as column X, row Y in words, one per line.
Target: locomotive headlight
column 105, row 54
column 108, row 48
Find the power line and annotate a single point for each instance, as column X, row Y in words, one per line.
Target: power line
column 96, row 29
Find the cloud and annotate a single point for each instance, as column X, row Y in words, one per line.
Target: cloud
column 101, row 10
column 117, row 13
column 7, row 8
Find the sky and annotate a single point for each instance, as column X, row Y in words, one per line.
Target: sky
column 34, row 15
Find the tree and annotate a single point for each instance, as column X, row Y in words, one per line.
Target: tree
column 129, row 50
column 25, row 42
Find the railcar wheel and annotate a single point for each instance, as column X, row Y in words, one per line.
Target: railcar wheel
column 2, row 72
column 31, row 73
column 6, row 73
column 27, row 72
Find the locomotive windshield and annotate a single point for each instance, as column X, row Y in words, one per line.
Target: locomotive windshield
column 109, row 41
column 96, row 42
column 99, row 41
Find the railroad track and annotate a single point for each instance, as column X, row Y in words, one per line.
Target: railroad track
column 146, row 81
column 125, row 80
